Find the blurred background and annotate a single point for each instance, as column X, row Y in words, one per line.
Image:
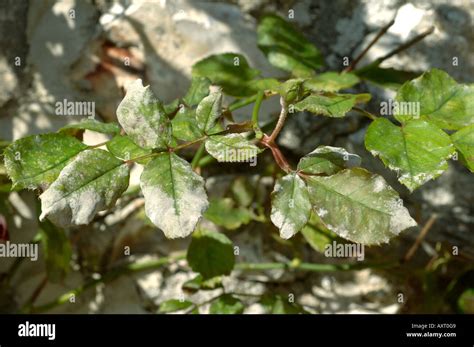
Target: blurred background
column 89, row 50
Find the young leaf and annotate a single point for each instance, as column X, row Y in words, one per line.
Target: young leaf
column 90, row 183
column 57, row 251
column 327, row 160
column 231, row 148
column 231, row 71
column 223, row 213
column 464, row 142
column 174, row 305
column 124, row 148
column 37, row 160
column 291, row 207
column 208, row 111
column 332, row 105
column 198, row 90
column 292, row 90
column 286, row 48
column 418, row 150
column 227, row 304
column 143, row 117
column 211, row 254
column 359, row 206
column 175, row 198
column 93, row 125
column 331, row 82
column 441, row 100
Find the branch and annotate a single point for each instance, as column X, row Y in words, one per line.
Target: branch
column 364, row 52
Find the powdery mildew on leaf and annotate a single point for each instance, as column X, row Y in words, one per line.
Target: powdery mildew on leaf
column 231, row 148
column 442, row 100
column 92, row 182
column 418, row 151
column 208, row 111
column 359, row 206
column 291, row 207
column 143, row 118
column 175, row 198
column 37, row 160
column 328, row 160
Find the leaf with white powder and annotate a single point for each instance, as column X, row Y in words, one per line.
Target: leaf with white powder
column 359, row 206
column 418, row 150
column 143, row 117
column 37, row 160
column 175, row 198
column 92, row 182
column 327, row 160
column 291, row 207
column 208, row 111
column 231, row 148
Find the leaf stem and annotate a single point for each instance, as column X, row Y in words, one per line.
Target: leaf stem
column 281, row 121
column 365, row 113
column 256, row 109
column 197, row 157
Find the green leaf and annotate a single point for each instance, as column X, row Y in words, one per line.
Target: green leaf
column 57, row 251
column 417, row 151
column 331, row 82
column 317, row 234
column 385, row 77
column 243, row 191
column 37, row 160
column 124, row 148
column 175, row 198
column 185, row 125
column 316, row 238
column 174, row 305
column 143, row 117
column 464, row 142
column 441, row 100
column 198, row 90
column 332, row 105
column 327, row 160
column 223, row 213
column 226, row 304
column 232, row 148
column 466, row 301
column 208, row 111
column 90, row 183
column 231, row 71
column 93, row 125
column 211, row 254
column 359, row 206
column 286, row 48
column 291, row 207
column 199, row 283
